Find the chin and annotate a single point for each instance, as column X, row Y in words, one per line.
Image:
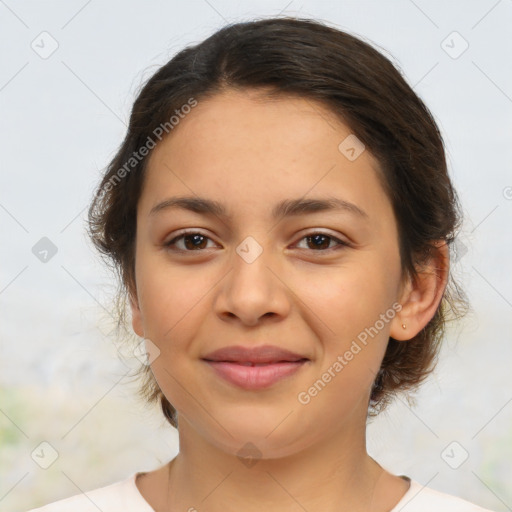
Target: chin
column 259, row 432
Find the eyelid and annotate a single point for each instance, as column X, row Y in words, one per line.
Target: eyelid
column 311, row 232
column 184, row 232
column 322, row 231
column 340, row 242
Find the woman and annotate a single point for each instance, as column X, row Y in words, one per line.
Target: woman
column 280, row 214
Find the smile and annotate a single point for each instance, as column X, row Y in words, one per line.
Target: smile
column 253, row 376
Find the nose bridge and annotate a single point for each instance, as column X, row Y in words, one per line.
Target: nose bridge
column 250, row 266
column 252, row 289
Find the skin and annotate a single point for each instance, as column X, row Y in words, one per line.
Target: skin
column 250, row 153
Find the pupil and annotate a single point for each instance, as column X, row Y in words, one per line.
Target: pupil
column 319, row 241
column 317, row 238
column 197, row 239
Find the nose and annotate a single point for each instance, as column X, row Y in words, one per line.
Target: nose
column 253, row 290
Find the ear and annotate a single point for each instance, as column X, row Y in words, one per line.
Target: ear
column 137, row 322
column 420, row 296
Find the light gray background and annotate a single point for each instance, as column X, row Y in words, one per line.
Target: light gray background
column 62, row 118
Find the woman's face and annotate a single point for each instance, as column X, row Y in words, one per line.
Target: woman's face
column 249, row 279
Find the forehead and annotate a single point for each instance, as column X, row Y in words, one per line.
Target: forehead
column 245, row 123
column 252, row 152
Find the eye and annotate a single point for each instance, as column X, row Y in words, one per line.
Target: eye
column 193, row 241
column 196, row 241
column 321, row 242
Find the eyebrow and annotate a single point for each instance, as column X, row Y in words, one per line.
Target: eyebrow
column 286, row 208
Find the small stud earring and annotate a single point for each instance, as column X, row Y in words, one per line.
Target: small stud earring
column 404, row 326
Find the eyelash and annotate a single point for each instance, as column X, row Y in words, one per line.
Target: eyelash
column 340, row 243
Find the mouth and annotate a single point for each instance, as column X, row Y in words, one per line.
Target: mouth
column 265, row 354
column 254, row 363
column 253, row 377
column 254, row 368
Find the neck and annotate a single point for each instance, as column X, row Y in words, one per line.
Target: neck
column 335, row 474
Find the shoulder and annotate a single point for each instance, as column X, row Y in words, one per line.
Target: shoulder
column 121, row 496
column 424, row 499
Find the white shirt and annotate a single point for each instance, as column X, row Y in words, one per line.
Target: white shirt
column 124, row 496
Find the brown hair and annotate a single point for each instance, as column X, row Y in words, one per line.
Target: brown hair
column 291, row 56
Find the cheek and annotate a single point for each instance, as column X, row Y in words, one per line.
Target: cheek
column 173, row 306
column 353, row 306
column 171, row 300
column 348, row 300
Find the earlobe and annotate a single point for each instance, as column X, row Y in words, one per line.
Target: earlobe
column 422, row 295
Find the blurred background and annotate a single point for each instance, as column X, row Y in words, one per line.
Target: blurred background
column 70, row 420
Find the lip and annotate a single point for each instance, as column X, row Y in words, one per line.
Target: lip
column 254, row 368
column 262, row 354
